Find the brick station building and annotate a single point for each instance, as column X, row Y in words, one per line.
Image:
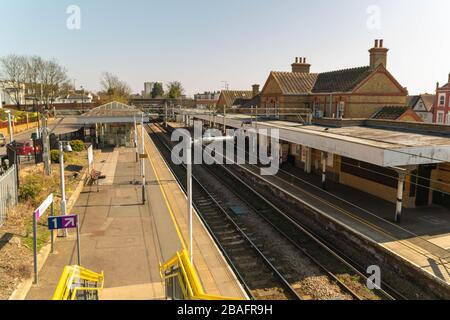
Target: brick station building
column 350, row 93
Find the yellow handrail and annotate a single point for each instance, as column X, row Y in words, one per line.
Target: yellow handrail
column 187, row 278
column 71, row 277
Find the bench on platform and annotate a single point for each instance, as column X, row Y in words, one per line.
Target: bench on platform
column 95, row 176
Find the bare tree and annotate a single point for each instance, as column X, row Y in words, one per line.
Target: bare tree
column 52, row 78
column 14, row 70
column 114, row 88
column 35, row 68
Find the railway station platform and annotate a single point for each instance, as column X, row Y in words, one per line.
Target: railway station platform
column 422, row 237
column 214, row 272
column 128, row 240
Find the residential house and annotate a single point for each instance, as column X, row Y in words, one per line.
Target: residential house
column 78, row 96
column 206, row 99
column 422, row 105
column 236, row 99
column 350, row 93
column 9, row 94
column 441, row 107
column 405, row 114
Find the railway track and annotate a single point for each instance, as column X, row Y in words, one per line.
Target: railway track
column 329, row 262
column 261, row 279
column 343, row 269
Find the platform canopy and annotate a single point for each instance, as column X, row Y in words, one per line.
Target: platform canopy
column 379, row 146
column 113, row 112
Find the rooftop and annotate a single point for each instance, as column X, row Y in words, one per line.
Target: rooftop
column 113, row 112
column 380, row 142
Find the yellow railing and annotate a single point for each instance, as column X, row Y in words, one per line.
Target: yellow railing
column 180, row 269
column 75, row 280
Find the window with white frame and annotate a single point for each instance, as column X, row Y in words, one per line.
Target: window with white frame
column 340, row 109
column 442, row 99
column 440, row 117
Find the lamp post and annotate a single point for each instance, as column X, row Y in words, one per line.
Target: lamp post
column 142, row 159
column 136, row 139
column 62, row 181
column 191, row 142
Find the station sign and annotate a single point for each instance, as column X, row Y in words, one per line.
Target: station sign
column 63, row 222
column 43, row 207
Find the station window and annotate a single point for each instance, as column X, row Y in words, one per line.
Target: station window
column 380, row 175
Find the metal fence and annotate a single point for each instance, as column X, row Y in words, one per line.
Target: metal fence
column 8, row 192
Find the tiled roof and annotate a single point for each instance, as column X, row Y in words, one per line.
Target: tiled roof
column 341, row 80
column 428, row 100
column 412, row 100
column 231, row 96
column 295, row 82
column 77, row 96
column 255, row 101
column 328, row 82
column 390, row 113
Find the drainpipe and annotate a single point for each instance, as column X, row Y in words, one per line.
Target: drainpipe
column 331, row 103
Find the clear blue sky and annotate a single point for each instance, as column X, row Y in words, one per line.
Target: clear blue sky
column 202, row 42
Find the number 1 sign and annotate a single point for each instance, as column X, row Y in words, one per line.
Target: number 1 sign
column 66, row 222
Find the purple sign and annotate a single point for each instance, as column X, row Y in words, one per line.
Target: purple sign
column 63, row 222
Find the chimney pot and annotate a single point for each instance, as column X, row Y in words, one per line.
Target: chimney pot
column 304, row 60
column 449, row 78
column 296, row 59
column 255, row 89
column 378, row 54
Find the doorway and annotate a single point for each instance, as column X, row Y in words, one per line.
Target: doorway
column 423, row 185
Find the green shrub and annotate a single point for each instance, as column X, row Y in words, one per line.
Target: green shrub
column 77, row 145
column 30, row 190
column 54, row 156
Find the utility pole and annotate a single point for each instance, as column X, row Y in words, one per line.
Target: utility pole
column 136, row 139
column 142, row 159
column 189, row 193
column 165, row 114
column 224, row 119
column 10, row 127
column 62, row 182
column 46, row 147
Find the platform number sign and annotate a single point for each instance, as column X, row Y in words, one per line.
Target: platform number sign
column 66, row 222
column 63, row 222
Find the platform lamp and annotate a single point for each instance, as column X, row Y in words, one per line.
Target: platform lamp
column 143, row 159
column 190, row 142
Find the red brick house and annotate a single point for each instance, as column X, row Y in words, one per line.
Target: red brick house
column 441, row 107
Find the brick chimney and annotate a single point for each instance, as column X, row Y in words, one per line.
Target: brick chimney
column 378, row 55
column 255, row 90
column 301, row 66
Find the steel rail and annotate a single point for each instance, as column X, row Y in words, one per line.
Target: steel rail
column 277, row 274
